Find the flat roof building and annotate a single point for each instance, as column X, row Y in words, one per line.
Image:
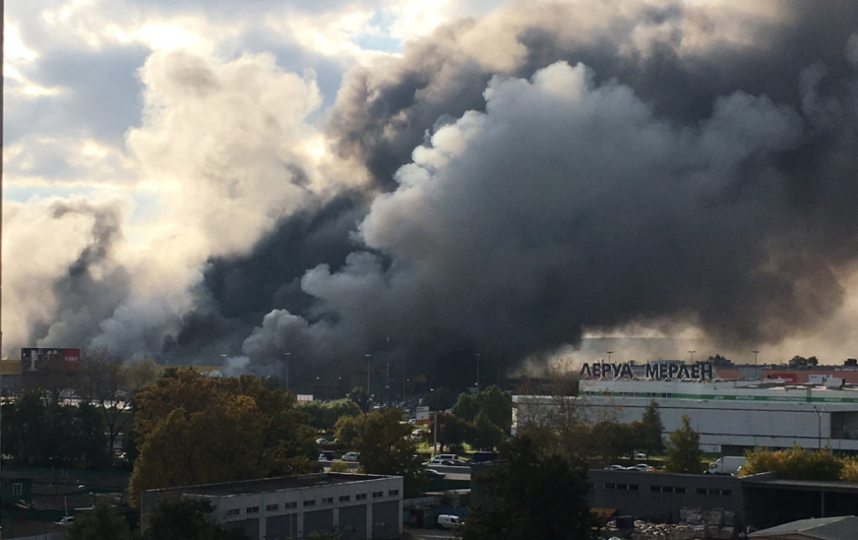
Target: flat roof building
column 355, row 506
column 731, row 416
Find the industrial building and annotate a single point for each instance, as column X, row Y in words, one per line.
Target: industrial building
column 731, row 416
column 355, row 506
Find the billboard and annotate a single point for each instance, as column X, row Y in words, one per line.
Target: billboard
column 35, row 359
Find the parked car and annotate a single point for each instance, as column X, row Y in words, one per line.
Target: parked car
column 436, row 461
column 456, row 463
column 640, row 455
column 326, row 455
column 350, row 456
column 449, row 522
column 615, row 468
column 641, row 467
column 432, row 473
column 321, row 441
column 68, row 520
column 447, row 456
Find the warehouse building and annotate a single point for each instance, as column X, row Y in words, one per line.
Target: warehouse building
column 731, row 416
column 355, row 506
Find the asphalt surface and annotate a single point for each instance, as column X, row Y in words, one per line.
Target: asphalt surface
column 453, row 473
column 427, row 534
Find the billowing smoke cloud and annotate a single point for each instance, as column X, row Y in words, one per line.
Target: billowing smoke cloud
column 537, row 174
column 684, row 170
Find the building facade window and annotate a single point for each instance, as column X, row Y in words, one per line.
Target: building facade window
column 233, row 512
column 360, row 497
column 377, row 494
column 272, row 507
column 310, row 502
column 17, row 489
column 393, row 492
column 328, row 500
column 291, row 506
column 252, row 510
column 345, row 498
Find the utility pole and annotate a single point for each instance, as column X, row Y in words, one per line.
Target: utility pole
column 2, row 63
column 435, row 436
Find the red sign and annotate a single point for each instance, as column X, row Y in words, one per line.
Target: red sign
column 788, row 377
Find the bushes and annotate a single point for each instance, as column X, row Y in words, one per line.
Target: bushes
column 797, row 463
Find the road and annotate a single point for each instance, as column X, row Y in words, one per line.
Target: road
column 431, row 534
column 453, row 473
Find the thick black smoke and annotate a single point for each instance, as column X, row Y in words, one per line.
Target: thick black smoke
column 681, row 176
column 561, row 168
column 237, row 292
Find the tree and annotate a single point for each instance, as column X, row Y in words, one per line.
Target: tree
column 192, row 429
column 795, row 463
column 102, row 523
column 683, row 450
column 386, row 447
column 38, row 433
column 189, row 520
column 531, row 495
column 108, row 384
column 649, row 430
column 359, row 395
column 485, row 435
column 345, row 430
column 325, row 415
column 439, row 399
column 452, row 431
column 493, row 402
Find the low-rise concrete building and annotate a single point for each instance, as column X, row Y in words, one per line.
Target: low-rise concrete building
column 355, row 506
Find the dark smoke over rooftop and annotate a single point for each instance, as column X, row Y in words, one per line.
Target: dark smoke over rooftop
column 560, row 168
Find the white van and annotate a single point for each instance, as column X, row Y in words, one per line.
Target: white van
column 448, row 521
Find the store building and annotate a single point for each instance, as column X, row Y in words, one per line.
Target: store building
column 731, row 416
column 355, row 506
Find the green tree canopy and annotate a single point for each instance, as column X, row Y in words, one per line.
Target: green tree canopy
column 683, row 450
column 40, row 433
column 649, row 430
column 531, row 495
column 493, row 402
column 102, row 523
column 439, row 399
column 386, row 447
column 191, row 429
column 794, row 463
column 360, row 397
column 189, row 520
column 484, row 434
column 325, row 414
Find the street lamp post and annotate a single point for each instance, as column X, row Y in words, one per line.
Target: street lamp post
column 609, row 353
column 755, row 356
column 478, row 371
column 691, row 361
column 368, row 357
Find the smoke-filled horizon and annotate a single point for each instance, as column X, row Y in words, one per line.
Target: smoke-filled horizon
column 505, row 186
